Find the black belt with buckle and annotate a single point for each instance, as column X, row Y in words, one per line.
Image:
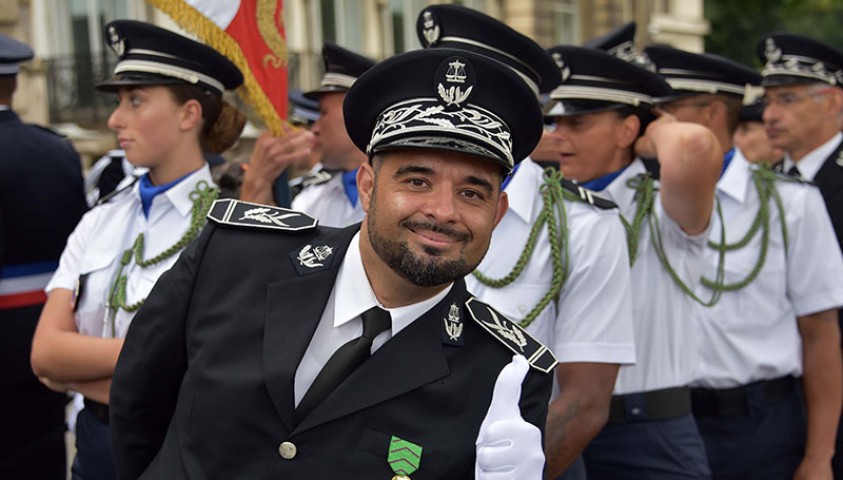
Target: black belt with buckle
column 99, row 410
column 729, row 402
column 651, row 405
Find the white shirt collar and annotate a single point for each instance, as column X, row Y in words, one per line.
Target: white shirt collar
column 179, row 195
column 353, row 293
column 3, row 108
column 524, row 179
column 735, row 179
column 810, row 164
column 618, row 191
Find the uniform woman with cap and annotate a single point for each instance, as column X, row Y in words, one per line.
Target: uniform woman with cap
column 169, row 111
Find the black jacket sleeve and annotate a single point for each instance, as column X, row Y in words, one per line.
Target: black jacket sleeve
column 152, row 363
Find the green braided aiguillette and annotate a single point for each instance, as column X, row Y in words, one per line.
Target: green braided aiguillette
column 404, row 457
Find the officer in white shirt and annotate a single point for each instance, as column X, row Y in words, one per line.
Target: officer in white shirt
column 747, row 403
column 600, row 111
column 571, row 292
column 170, row 109
column 803, row 98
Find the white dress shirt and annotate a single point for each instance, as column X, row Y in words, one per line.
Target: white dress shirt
column 592, row 319
column 752, row 334
column 351, row 296
column 105, row 232
column 665, row 339
column 810, row 164
column 328, row 203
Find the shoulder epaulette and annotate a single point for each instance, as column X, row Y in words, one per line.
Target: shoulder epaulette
column 317, row 178
column 510, row 334
column 117, row 192
column 48, row 130
column 587, row 195
column 252, row 215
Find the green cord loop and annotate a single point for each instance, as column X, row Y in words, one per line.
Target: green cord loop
column 202, row 196
column 554, row 215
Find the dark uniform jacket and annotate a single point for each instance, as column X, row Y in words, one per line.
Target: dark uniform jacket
column 41, row 201
column 204, row 385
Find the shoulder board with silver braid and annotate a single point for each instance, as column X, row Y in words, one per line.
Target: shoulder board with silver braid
column 115, row 193
column 252, row 215
column 317, row 178
column 510, row 334
column 587, row 195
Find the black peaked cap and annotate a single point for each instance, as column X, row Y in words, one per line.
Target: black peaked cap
column 620, row 43
column 444, row 99
column 693, row 73
column 753, row 112
column 455, row 26
column 793, row 59
column 303, row 109
column 151, row 55
column 593, row 80
column 12, row 54
column 342, row 68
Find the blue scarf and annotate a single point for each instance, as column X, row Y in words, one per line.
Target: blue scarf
column 349, row 184
column 599, row 183
column 148, row 191
column 727, row 159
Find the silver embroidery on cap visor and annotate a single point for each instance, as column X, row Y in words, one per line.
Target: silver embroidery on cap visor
column 417, row 121
column 797, row 66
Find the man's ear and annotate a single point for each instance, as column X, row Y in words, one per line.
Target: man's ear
column 503, row 205
column 835, row 102
column 365, row 184
column 191, row 114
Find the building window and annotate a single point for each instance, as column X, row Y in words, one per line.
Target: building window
column 565, row 16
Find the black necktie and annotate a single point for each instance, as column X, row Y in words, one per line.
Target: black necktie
column 344, row 361
column 794, row 172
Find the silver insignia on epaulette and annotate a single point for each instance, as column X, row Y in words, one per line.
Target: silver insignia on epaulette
column 261, row 215
column 512, row 334
column 453, row 325
column 311, row 257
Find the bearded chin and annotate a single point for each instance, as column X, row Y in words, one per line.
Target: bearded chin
column 424, row 271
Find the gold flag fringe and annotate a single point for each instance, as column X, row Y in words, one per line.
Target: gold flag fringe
column 192, row 20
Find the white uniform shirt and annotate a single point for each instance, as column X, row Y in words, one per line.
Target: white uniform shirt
column 592, row 319
column 665, row 338
column 810, row 164
column 351, row 296
column 328, row 203
column 752, row 334
column 104, row 233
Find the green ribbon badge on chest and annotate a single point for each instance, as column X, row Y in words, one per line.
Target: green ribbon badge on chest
column 404, row 458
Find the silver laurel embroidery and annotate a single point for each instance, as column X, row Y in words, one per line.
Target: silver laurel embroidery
column 311, row 257
column 454, row 95
column 261, row 215
column 512, row 334
column 431, row 30
column 453, row 326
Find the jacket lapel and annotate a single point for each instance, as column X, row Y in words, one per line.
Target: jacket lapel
column 830, row 176
column 409, row 360
column 294, row 307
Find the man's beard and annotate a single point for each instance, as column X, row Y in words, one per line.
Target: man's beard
column 422, row 271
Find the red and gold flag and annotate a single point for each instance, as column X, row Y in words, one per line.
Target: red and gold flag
column 251, row 34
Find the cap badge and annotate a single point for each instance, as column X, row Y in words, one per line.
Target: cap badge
column 455, row 71
column 311, row 257
column 431, row 30
column 566, row 72
column 453, row 325
column 116, row 42
column 771, row 51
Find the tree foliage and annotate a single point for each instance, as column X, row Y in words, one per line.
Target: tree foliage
column 736, row 26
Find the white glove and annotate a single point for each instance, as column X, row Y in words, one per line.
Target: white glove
column 509, row 448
